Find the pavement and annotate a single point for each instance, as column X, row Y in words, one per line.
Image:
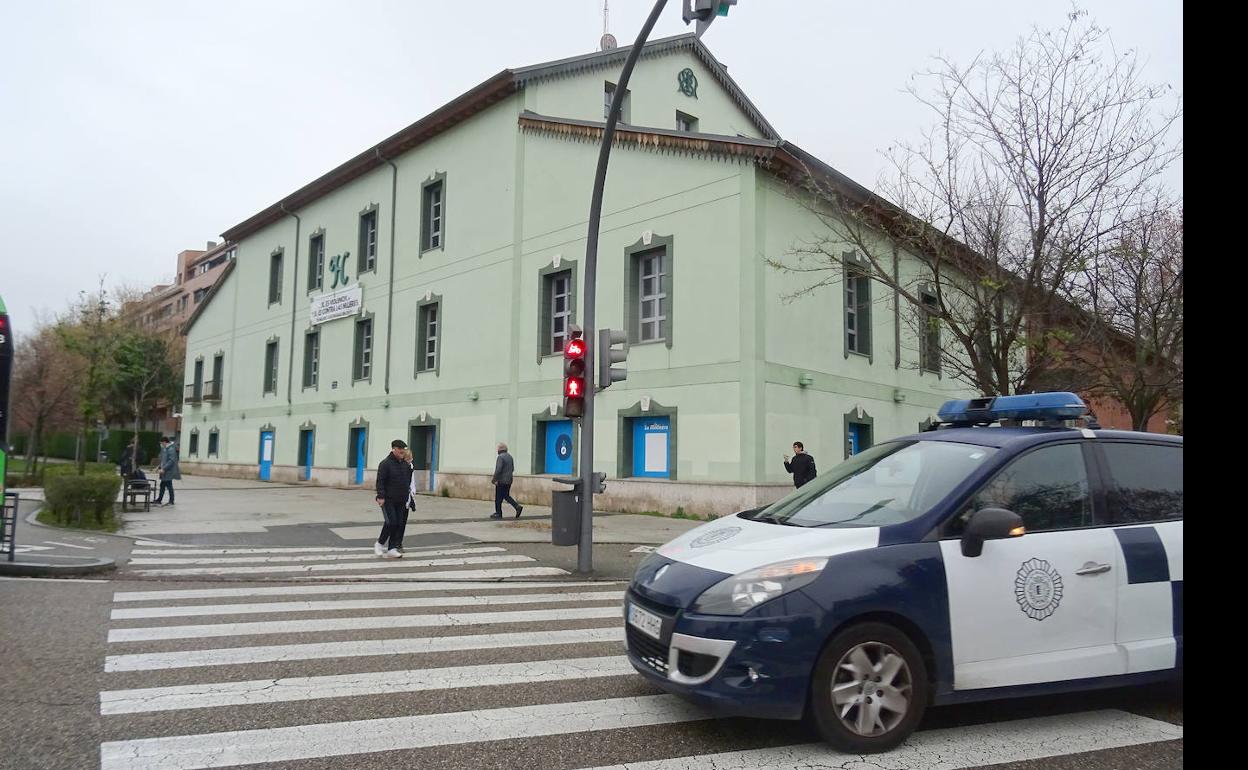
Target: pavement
column 213, row 511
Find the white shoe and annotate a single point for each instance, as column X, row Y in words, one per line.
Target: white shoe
column 394, row 553
column 379, row 549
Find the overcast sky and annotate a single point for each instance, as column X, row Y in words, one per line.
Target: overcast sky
column 132, row 130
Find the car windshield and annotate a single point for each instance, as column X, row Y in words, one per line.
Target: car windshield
column 887, row 484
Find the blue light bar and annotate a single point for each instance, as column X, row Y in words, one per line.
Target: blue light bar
column 1033, row 406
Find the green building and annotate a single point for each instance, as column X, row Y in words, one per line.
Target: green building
column 421, row 291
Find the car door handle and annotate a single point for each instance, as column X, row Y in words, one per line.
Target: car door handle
column 1092, row 568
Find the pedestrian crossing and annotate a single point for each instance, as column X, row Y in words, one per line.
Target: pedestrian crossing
column 455, row 673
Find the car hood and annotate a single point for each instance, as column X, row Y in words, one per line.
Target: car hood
column 733, row 544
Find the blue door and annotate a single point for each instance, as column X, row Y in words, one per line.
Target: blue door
column 307, row 439
column 558, row 447
column 266, row 454
column 361, row 437
column 651, row 447
column 859, row 437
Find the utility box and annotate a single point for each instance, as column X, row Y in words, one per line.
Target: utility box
column 565, row 519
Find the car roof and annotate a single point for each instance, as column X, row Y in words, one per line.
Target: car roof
column 1021, row 437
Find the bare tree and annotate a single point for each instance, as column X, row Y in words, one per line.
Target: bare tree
column 45, row 388
column 1130, row 340
column 1035, row 157
column 92, row 336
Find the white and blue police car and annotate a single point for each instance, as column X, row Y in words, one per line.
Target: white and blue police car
column 973, row 561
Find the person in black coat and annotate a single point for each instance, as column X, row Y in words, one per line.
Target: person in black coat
column 802, row 466
column 394, row 485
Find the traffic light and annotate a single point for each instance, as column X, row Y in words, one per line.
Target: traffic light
column 600, row 482
column 574, row 352
column 608, row 355
column 705, row 11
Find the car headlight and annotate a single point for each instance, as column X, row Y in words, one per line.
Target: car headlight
column 741, row 593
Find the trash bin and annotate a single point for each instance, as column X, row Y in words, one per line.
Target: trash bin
column 103, row 457
column 565, row 521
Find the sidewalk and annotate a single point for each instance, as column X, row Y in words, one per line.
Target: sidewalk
column 209, row 506
column 49, row 552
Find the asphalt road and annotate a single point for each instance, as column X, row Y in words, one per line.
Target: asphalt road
column 491, row 675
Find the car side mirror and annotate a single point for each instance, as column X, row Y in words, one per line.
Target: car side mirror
column 990, row 524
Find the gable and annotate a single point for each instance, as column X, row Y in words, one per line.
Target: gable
column 574, row 90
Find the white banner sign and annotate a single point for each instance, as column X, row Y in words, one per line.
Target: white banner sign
column 327, row 307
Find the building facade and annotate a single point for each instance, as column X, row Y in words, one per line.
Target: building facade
column 422, row 290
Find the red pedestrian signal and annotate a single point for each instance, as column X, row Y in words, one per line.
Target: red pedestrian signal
column 574, row 353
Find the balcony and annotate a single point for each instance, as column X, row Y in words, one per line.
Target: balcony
column 193, row 394
column 212, row 391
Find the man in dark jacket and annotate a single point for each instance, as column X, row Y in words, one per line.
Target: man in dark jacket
column 394, row 484
column 802, row 467
column 504, row 468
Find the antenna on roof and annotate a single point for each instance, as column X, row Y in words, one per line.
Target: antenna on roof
column 608, row 40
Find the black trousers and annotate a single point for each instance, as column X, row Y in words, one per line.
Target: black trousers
column 395, row 523
column 503, row 492
column 165, row 484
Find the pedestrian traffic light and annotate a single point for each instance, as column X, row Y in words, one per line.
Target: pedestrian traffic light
column 574, row 352
column 705, row 11
column 600, row 482
column 608, row 355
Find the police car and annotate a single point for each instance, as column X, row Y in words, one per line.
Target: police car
column 969, row 562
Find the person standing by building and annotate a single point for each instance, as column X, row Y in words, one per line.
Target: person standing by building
column 394, row 484
column 802, row 467
column 504, row 468
column 168, row 469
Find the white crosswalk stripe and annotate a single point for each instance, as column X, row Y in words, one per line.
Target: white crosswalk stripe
column 281, row 558
column 376, row 564
column 474, row 664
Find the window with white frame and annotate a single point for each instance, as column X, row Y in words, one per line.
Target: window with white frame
column 559, row 293
column 214, row 442
column 311, row 358
column 651, row 296
column 193, row 449
column 857, row 312
column 368, row 240
column 433, row 223
column 363, row 366
column 275, row 277
column 427, row 337
column 270, row 367
column 316, row 261
column 929, row 332
column 686, row 122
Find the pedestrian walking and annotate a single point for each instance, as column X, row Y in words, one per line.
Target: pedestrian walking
column 168, row 469
column 504, row 468
column 394, row 488
column 802, row 467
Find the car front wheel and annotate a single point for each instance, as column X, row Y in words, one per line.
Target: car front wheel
column 870, row 689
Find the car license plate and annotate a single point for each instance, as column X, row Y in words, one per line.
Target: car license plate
column 646, row 622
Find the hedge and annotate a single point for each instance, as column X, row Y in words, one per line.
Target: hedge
column 68, row 494
column 62, row 444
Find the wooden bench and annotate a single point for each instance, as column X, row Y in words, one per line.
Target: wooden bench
column 133, row 491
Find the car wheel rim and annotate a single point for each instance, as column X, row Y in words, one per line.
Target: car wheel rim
column 871, row 689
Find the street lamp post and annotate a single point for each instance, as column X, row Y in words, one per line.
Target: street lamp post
column 704, row 12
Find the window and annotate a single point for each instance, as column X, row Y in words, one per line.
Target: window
column 275, row 277
column 218, row 377
column 433, row 207
column 311, row 358
column 184, row 300
column 857, row 312
column 1145, row 484
column 199, row 295
column 199, row 379
column 427, row 337
column 608, row 93
column 316, row 261
column 651, row 296
column 929, row 339
column 686, row 122
column 270, row 367
column 368, row 241
column 363, row 365
column 193, row 449
column 1047, row 487
column 214, row 442
column 559, row 304
column 891, row 483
